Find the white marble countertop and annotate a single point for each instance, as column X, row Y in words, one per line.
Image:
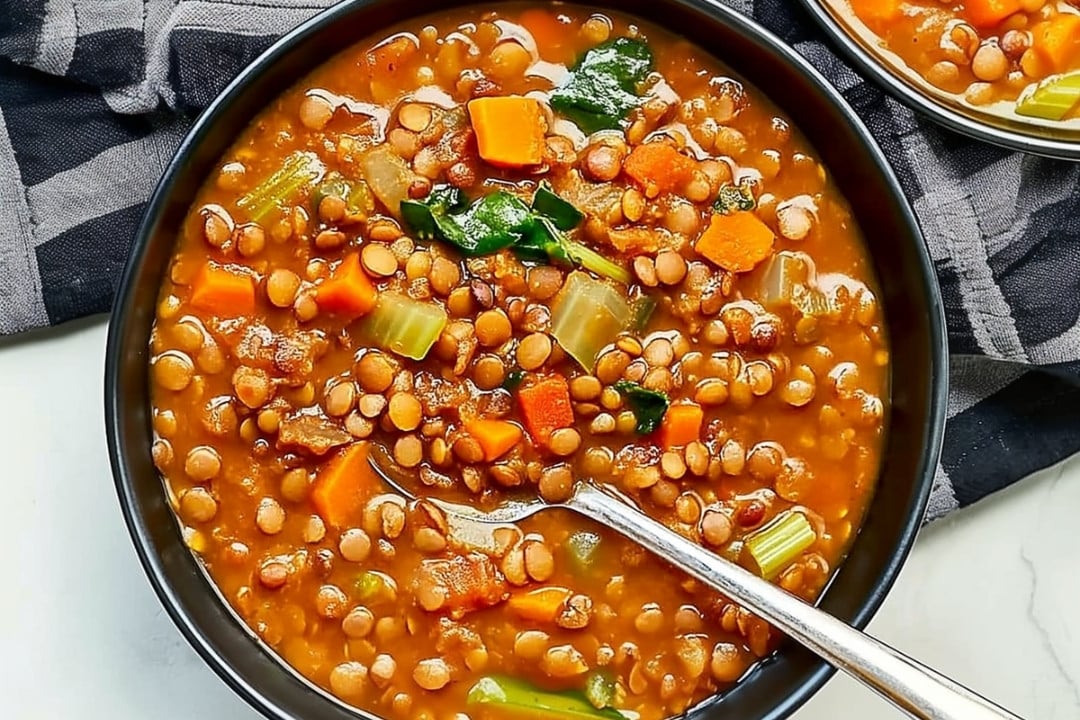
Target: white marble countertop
column 988, row 596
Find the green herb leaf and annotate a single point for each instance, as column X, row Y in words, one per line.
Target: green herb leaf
column 502, row 220
column 513, row 380
column 649, row 406
column 601, row 89
column 564, row 215
column 733, row 198
column 493, row 222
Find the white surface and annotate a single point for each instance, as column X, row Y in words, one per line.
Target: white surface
column 988, row 597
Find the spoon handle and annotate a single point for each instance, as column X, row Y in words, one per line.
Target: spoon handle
column 918, row 690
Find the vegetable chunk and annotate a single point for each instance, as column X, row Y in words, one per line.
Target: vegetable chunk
column 987, row 13
column 348, row 291
column 659, row 165
column 496, row 437
column 736, row 242
column 341, row 485
column 545, row 406
column 509, row 130
column 223, row 291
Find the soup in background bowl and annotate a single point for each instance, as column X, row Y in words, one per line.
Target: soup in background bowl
column 500, row 251
column 1005, row 72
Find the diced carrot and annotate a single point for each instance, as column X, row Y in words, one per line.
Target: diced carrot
column 681, row 425
column 987, row 13
column 496, row 437
column 545, row 407
column 509, row 130
column 348, row 291
column 736, row 242
column 659, row 165
column 550, row 34
column 341, row 485
column 876, row 13
column 540, row 605
column 460, row 583
column 1056, row 43
column 223, row 291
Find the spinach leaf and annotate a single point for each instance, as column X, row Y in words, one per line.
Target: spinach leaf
column 733, row 198
column 501, row 220
column 493, row 222
column 513, row 380
column 649, row 406
column 601, row 89
column 563, row 214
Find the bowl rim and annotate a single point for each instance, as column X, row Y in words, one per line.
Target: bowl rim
column 124, row 309
column 937, row 110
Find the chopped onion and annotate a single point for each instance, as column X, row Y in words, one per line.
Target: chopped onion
column 388, row 176
column 786, row 271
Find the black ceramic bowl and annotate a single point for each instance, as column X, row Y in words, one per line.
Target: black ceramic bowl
column 910, row 296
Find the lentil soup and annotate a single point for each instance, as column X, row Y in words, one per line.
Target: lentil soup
column 498, row 251
column 1018, row 59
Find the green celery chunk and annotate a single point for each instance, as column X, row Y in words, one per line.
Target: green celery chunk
column 601, row 89
column 503, row 698
column 404, row 326
column 643, row 309
column 373, row 587
column 600, row 689
column 588, row 315
column 301, row 169
column 1052, row 98
column 780, row 543
column 359, row 203
column 649, row 406
column 583, row 550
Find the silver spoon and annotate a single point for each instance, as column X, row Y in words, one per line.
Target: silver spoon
column 914, row 688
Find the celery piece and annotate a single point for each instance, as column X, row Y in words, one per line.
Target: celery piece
column 588, row 314
column 404, row 326
column 778, row 544
column 643, row 309
column 503, row 697
column 592, row 260
column 1052, row 98
column 299, row 170
column 583, row 550
column 786, row 271
column 373, row 587
column 600, row 689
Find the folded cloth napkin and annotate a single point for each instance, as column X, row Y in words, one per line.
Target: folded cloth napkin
column 95, row 96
